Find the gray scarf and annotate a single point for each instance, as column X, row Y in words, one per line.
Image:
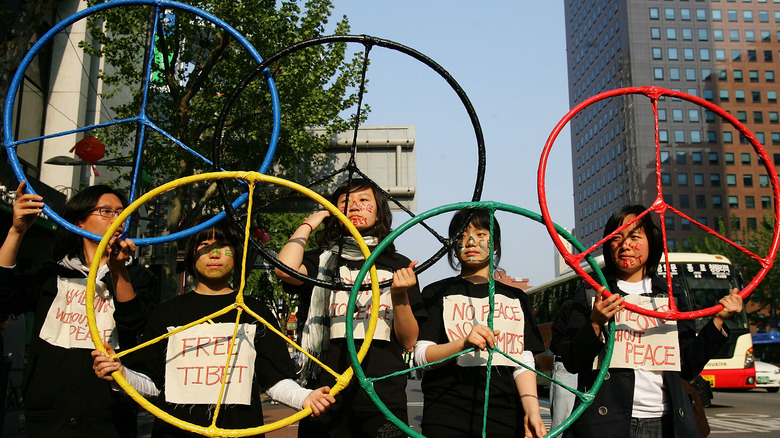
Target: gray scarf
column 316, row 331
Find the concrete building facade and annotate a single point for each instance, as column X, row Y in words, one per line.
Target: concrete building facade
column 726, row 52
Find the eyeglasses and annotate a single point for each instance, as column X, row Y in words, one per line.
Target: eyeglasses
column 108, row 213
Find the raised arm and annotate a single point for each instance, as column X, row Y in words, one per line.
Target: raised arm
column 120, row 252
column 404, row 322
column 292, row 252
column 26, row 209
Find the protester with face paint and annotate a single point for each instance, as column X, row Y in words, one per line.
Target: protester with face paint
column 635, row 401
column 61, row 395
column 183, row 372
column 324, row 312
column 458, row 309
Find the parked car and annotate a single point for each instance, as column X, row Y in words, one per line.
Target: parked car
column 767, row 376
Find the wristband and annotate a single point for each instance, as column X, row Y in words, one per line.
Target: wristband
column 308, row 225
column 529, row 395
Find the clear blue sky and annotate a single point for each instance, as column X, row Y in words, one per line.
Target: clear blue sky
column 510, row 58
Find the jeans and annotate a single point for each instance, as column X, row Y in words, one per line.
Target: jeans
column 561, row 400
column 652, row 427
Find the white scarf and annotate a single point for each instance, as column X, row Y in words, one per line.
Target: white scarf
column 316, row 331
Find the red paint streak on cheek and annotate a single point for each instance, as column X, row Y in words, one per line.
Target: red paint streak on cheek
column 369, row 208
column 359, row 221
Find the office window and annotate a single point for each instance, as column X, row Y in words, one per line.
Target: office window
column 693, row 115
column 712, row 157
column 763, row 16
column 671, row 33
column 739, row 96
column 685, row 224
column 690, row 74
column 704, row 55
column 661, row 115
column 763, row 180
column 751, row 56
column 669, row 223
column 720, row 54
column 658, row 73
column 716, row 15
column 766, row 36
column 658, row 53
column 723, row 75
column 664, row 156
column 680, row 158
column 758, row 117
column 679, row 136
column 666, row 179
column 717, row 34
column 682, row 179
column 753, row 75
column 732, row 15
column 733, row 35
column 747, row 180
column 767, row 56
column 737, row 75
column 735, row 222
column 717, row 201
column 654, row 14
column 742, row 116
column 677, row 115
column 698, row 179
column 731, row 180
column 728, row 137
column 669, row 13
column 685, row 14
column 701, row 15
column 773, row 117
column 733, row 201
column 728, row 158
column 776, row 138
column 707, row 95
column 736, row 55
column 745, row 156
column 750, row 36
column 687, row 34
column 723, row 95
column 766, row 202
column 695, row 136
column 712, row 137
column 663, row 136
column 674, row 74
column 771, row 96
column 714, row 180
column 769, row 76
column 747, row 15
column 688, row 54
column 701, row 202
column 673, row 54
column 696, row 157
column 751, row 221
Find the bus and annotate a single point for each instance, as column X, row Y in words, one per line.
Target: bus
column 700, row 279
column 766, row 347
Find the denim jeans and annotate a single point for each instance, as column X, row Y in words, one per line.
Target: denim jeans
column 661, row 427
column 561, row 400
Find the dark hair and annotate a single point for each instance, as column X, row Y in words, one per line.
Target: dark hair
column 480, row 218
column 221, row 231
column 652, row 228
column 384, row 218
column 67, row 243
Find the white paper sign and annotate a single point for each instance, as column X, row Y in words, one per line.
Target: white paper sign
column 462, row 312
column 643, row 342
column 195, row 364
column 339, row 301
column 66, row 322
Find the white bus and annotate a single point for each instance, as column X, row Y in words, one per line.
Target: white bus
column 700, row 279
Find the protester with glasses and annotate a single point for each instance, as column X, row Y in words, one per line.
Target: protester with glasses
column 62, row 395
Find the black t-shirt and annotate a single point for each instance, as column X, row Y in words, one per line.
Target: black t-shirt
column 454, row 396
column 384, row 356
column 272, row 361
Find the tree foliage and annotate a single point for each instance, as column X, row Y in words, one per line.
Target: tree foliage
column 197, row 66
column 764, row 298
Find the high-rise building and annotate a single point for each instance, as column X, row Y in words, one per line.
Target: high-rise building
column 724, row 51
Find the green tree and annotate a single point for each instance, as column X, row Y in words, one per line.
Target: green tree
column 197, row 67
column 764, row 297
